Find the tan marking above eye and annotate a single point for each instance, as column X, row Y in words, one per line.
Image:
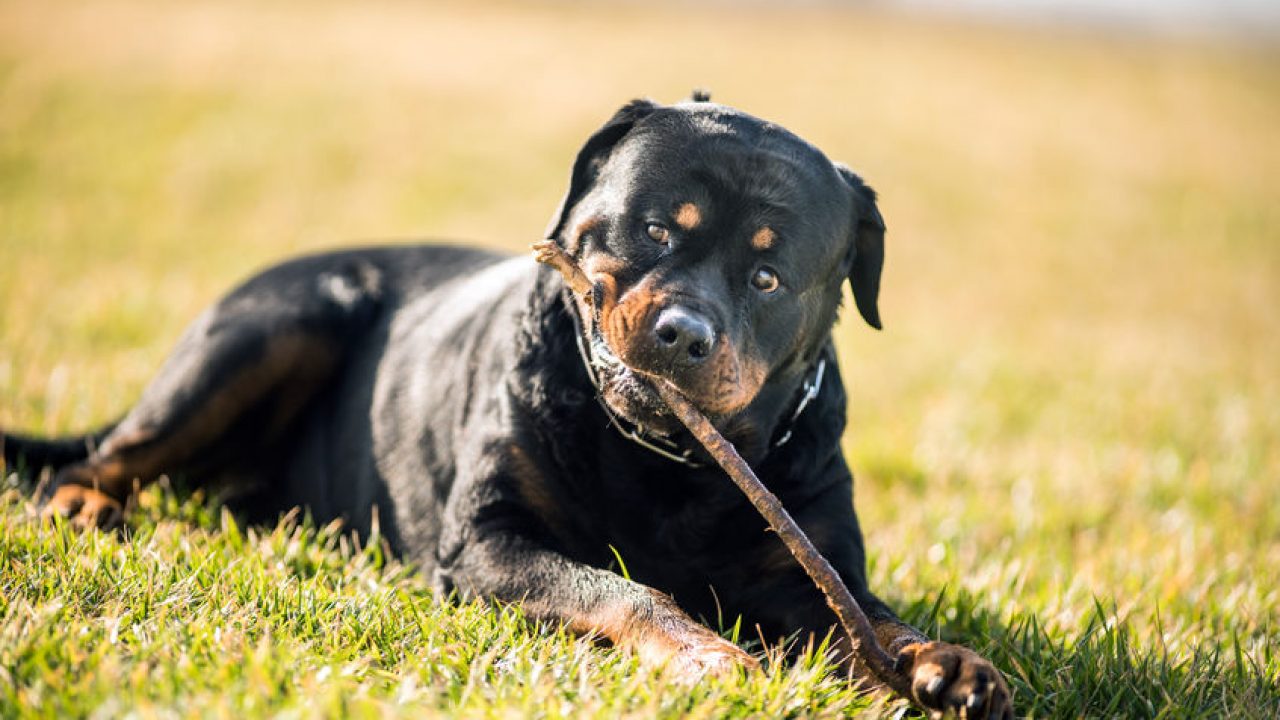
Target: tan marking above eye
column 764, row 239
column 688, row 216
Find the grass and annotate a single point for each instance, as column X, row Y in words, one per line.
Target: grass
column 1067, row 441
column 199, row 614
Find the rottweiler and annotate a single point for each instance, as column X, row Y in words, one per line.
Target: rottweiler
column 498, row 426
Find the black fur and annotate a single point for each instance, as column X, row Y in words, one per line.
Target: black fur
column 445, row 388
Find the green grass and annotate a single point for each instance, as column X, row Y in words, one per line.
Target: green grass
column 1067, row 441
column 196, row 613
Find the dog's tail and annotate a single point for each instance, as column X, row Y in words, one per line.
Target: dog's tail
column 28, row 454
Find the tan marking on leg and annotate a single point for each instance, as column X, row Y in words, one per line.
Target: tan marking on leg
column 894, row 635
column 764, row 239
column 610, row 620
column 660, row 633
column 688, row 216
column 302, row 378
column 146, row 452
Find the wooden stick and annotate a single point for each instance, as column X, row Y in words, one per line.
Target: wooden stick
column 851, row 617
column 549, row 252
column 838, row 597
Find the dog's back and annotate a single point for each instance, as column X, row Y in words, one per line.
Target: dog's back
column 391, row 321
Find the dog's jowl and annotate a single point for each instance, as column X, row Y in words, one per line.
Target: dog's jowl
column 496, row 423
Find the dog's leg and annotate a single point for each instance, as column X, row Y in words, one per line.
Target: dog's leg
column 509, row 567
column 497, row 542
column 943, row 676
column 237, row 379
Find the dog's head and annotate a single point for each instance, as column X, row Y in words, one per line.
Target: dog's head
column 717, row 244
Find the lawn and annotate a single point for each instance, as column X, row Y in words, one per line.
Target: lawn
column 1066, row 441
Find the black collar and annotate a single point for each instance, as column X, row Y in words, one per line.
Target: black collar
column 664, row 445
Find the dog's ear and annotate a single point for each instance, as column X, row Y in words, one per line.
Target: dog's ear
column 593, row 155
column 867, row 247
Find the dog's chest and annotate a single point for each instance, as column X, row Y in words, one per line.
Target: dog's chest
column 672, row 527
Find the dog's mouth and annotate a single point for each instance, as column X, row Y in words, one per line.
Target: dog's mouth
column 626, row 369
column 627, row 393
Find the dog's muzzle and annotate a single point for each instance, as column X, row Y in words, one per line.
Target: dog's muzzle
column 682, row 342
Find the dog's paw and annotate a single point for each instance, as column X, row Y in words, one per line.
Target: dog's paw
column 84, row 507
column 946, row 677
column 693, row 653
column 713, row 656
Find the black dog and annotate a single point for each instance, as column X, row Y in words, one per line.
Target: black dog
column 496, row 423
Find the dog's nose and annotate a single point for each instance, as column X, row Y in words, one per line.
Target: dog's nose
column 683, row 336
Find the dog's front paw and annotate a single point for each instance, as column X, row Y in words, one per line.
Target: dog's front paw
column 946, row 677
column 84, row 507
column 712, row 655
column 691, row 653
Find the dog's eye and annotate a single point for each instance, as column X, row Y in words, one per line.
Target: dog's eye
column 657, row 233
column 765, row 279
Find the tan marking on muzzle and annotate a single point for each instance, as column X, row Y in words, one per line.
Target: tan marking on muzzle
column 736, row 381
column 601, row 271
column 726, row 383
column 629, row 316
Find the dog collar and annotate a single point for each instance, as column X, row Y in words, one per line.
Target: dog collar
column 810, row 388
column 663, row 445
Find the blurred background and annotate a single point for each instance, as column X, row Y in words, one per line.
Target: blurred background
column 1077, row 393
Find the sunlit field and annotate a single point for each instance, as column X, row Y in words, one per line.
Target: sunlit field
column 1066, row 440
